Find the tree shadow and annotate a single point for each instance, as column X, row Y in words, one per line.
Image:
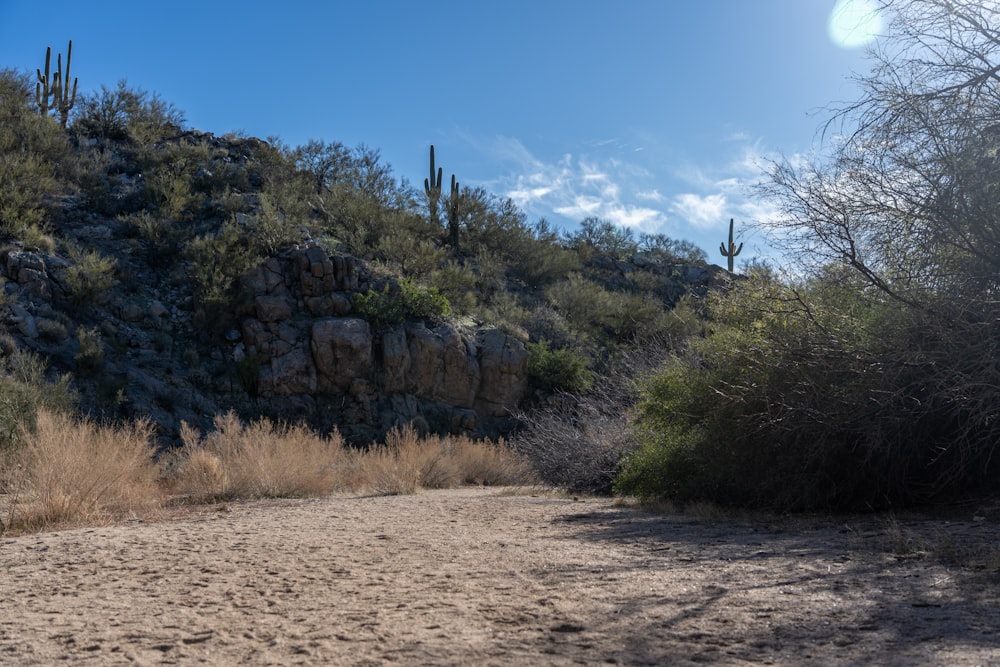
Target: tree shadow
column 836, row 590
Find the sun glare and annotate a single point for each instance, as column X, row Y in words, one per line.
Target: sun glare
column 854, row 23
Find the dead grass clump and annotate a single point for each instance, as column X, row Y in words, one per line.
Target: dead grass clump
column 491, row 464
column 257, row 460
column 406, row 462
column 75, row 472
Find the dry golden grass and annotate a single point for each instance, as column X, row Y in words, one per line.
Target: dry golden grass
column 406, row 462
column 75, row 472
column 266, row 460
column 257, row 460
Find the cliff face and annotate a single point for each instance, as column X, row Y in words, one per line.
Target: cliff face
column 311, row 355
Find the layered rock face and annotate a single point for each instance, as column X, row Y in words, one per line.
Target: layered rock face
column 314, row 356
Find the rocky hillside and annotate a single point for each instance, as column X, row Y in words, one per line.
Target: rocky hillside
column 180, row 275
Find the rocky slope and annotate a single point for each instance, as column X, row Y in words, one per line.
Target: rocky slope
column 295, row 349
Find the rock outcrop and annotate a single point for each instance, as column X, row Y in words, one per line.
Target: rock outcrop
column 307, row 346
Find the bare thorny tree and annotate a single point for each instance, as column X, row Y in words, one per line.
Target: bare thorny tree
column 908, row 190
column 905, row 192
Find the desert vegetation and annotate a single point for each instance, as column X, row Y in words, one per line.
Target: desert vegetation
column 68, row 472
column 862, row 377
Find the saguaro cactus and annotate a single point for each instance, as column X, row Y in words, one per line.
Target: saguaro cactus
column 53, row 89
column 730, row 251
column 453, row 211
column 43, row 89
column 432, row 186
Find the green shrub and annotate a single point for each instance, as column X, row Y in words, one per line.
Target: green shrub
column 558, row 370
column 456, row 283
column 269, row 228
column 90, row 354
column 126, row 113
column 407, row 302
column 24, row 390
column 583, row 303
column 35, row 157
column 610, row 317
column 89, row 276
column 603, row 236
column 410, row 256
column 164, row 238
column 820, row 397
column 217, row 261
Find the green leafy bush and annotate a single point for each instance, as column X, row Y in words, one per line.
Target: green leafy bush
column 607, row 316
column 124, row 112
column 89, row 276
column 559, row 369
column 24, row 390
column 217, row 261
column 90, row 354
column 456, row 283
column 35, row 157
column 819, row 397
column 408, row 301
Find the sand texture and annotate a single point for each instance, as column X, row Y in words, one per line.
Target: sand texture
column 483, row 577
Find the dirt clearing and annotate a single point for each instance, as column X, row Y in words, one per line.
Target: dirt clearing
column 480, row 576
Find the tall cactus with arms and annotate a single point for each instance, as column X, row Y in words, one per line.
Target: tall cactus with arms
column 730, row 251
column 432, row 186
column 53, row 89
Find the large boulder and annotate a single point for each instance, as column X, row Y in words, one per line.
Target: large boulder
column 460, row 374
column 289, row 374
column 503, row 364
column 395, row 361
column 426, row 351
column 342, row 352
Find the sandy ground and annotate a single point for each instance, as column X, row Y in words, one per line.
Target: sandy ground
column 482, row 577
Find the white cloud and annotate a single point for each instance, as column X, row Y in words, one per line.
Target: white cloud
column 650, row 195
column 702, row 211
column 637, row 217
column 577, row 187
column 609, row 181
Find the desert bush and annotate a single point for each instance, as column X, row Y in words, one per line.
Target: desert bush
column 602, row 236
column 409, row 255
column 671, row 249
column 584, row 304
column 456, row 283
column 24, row 390
column 217, row 261
column 257, row 460
column 823, row 396
column 578, row 441
column 90, row 353
column 126, row 113
column 395, row 306
column 89, row 275
column 51, row 330
column 607, row 316
column 55, row 481
column 164, row 237
column 34, row 156
column 538, row 259
column 269, row 228
column 560, row 369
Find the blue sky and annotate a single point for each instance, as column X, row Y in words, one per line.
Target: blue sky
column 653, row 114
